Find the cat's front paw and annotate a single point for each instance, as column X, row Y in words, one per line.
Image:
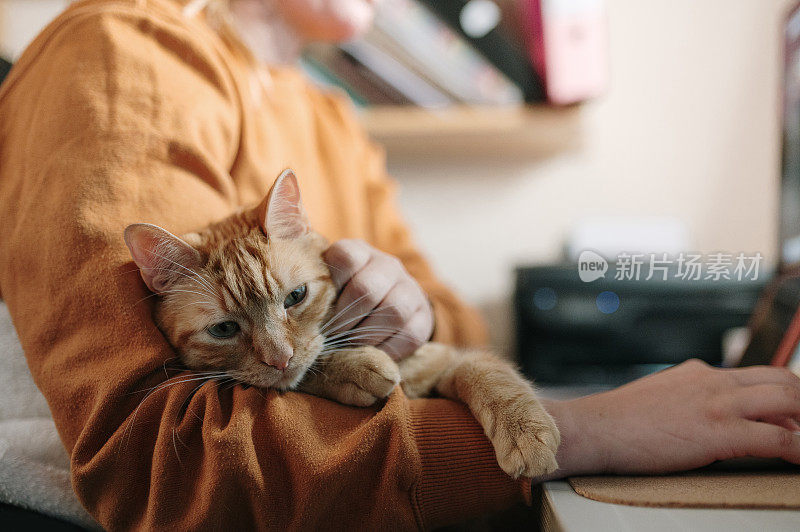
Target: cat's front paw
column 361, row 376
column 526, row 440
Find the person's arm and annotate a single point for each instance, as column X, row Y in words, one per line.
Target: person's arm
column 122, row 116
column 682, row 418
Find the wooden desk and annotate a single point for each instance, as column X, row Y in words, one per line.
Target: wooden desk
column 564, row 510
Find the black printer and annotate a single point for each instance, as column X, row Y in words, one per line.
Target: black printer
column 611, row 331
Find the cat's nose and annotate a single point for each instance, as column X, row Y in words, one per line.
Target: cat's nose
column 280, row 359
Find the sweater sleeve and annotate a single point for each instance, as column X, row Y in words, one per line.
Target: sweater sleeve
column 122, row 115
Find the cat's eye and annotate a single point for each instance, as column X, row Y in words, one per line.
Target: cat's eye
column 224, row 329
column 295, row 296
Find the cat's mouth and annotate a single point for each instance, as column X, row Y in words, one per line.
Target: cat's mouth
column 290, row 377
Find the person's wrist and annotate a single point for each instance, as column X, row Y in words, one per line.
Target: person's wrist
column 579, row 452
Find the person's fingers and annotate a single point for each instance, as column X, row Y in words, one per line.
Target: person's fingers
column 763, row 375
column 765, row 400
column 373, row 280
column 763, row 440
column 786, row 422
column 378, row 300
column 362, row 293
column 409, row 338
column 345, row 258
column 392, row 313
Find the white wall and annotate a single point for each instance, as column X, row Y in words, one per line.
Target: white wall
column 689, row 128
column 21, row 20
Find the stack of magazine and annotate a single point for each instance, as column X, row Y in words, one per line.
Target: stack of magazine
column 411, row 56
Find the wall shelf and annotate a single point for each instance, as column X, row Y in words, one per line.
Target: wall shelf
column 530, row 131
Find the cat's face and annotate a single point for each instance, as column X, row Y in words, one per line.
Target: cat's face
column 253, row 310
column 247, row 296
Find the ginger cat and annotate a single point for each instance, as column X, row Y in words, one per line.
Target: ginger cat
column 251, row 298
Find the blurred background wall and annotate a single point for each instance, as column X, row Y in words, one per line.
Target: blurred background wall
column 689, row 129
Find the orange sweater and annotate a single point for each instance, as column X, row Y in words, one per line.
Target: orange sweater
column 125, row 111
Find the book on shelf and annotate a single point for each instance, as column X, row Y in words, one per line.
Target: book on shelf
column 411, row 56
column 393, row 72
column 495, row 45
column 415, row 36
column 323, row 77
column 343, row 70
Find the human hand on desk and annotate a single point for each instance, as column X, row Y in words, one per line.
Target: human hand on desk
column 682, row 418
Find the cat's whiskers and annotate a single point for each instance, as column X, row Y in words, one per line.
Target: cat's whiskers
column 313, row 370
column 338, row 331
column 370, row 333
column 196, row 275
column 184, row 405
column 363, row 315
column 179, row 379
column 164, row 365
column 138, row 270
column 346, row 344
column 175, row 445
column 324, row 327
column 227, row 384
column 330, row 322
column 353, row 341
column 331, row 266
column 357, row 340
column 196, row 279
column 374, row 330
column 204, row 293
column 181, row 290
column 145, row 297
column 191, row 374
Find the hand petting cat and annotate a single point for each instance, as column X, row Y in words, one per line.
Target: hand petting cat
column 380, row 297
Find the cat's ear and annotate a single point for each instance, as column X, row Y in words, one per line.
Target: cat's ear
column 162, row 257
column 281, row 214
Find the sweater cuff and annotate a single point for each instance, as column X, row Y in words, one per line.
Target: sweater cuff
column 442, row 328
column 459, row 475
column 455, row 323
